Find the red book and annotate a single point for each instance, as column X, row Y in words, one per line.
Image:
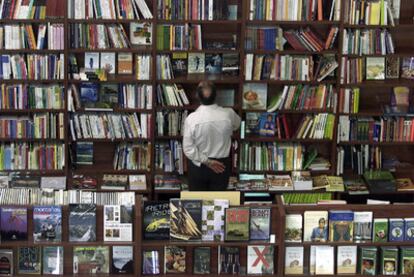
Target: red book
column 320, row 10
column 285, row 126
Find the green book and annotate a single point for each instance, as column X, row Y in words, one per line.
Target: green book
column 312, row 154
column 406, row 260
column 380, row 230
column 389, row 260
column 367, row 261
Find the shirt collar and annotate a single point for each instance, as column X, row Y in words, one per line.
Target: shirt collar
column 212, row 106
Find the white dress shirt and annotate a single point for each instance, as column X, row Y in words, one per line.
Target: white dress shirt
column 207, row 133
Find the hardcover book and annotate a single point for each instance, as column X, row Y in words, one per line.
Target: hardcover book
column 214, row 63
column 396, row 229
column 6, row 262
column 82, row 222
column 389, row 260
column 254, row 96
column 367, row 261
column 231, row 64
column 29, row 260
column 89, row 94
column 237, row 224
column 341, row 225
column 346, row 259
column 213, row 219
column 362, row 226
column 409, row 229
column 315, row 226
column 293, row 260
column 202, row 260
column 260, row 259
column 52, row 260
column 140, row 33
column 91, row 260
column 229, row 260
column 196, row 63
column 118, row 223
column 260, row 223
column 91, row 61
column 179, row 63
column 407, row 260
column 407, row 68
column 150, row 263
column 267, row 124
column 392, row 67
column 174, row 259
column 156, row 220
column 122, row 260
column 125, row 63
column 13, row 225
column 324, row 260
column 380, row 230
column 293, row 228
column 47, row 223
column 375, row 68
column 185, row 219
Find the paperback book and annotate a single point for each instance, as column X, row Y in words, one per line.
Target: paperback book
column 122, row 260
column 407, row 260
column 213, row 219
column 293, row 228
column 380, row 230
column 82, row 222
column 13, row 225
column 29, row 260
column 52, row 260
column 229, row 260
column 346, row 259
column 362, row 226
column 202, row 260
column 150, row 262
column 156, row 220
column 118, row 223
column 6, row 262
column 174, row 259
column 47, row 223
column 315, row 226
column 260, row 223
column 367, row 260
column 341, row 226
column 185, row 219
column 389, row 261
column 91, row 260
column 293, row 260
column 237, row 224
column 260, row 260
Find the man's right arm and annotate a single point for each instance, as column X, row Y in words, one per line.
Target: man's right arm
column 235, row 120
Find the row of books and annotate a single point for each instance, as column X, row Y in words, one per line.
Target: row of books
column 18, row 97
column 171, row 95
column 182, row 64
column 308, row 40
column 264, row 38
column 364, row 260
column 349, row 100
column 110, row 126
column 358, row 158
column 169, row 157
column 179, row 37
column 132, row 156
column 319, row 126
column 98, row 36
column 271, row 157
column 50, row 36
column 49, row 260
column 109, row 96
column 40, row 126
column 381, row 12
column 169, row 182
column 385, row 129
column 265, row 124
column 109, row 9
column 36, row 196
column 367, row 42
column 33, row 156
column 32, row 67
column 288, row 67
column 196, row 10
column 17, row 9
column 288, row 10
column 170, row 123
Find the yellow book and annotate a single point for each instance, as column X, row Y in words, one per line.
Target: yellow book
column 375, row 13
column 232, row 196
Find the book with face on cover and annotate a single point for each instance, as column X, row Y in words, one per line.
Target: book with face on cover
column 315, row 226
column 6, row 262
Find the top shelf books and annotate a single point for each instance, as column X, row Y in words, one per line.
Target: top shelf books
column 377, row 12
column 35, row 9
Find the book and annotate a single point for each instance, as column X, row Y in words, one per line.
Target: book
column 225, row 97
column 185, row 219
column 254, row 96
column 174, row 259
column 404, row 184
column 6, row 262
column 89, row 94
column 82, row 222
column 260, row 223
column 260, row 259
column 118, row 223
column 346, row 259
column 267, row 124
column 91, row 61
column 407, row 68
column 315, row 226
column 409, row 229
column 122, row 260
column 156, row 220
column 237, row 224
column 150, row 262
column 341, row 225
column 13, row 225
column 214, row 63
column 324, row 260
column 367, row 261
column 52, row 260
column 213, row 219
column 362, row 226
column 293, row 260
column 380, row 229
column 125, row 63
column 396, row 229
column 47, row 223
column 179, row 63
column 231, row 64
column 196, row 63
column 375, row 68
column 202, row 257
column 108, row 62
column 54, row 182
column 229, row 260
column 29, row 260
column 293, row 228
column 91, row 260
column 140, row 33
column 406, row 260
column 389, row 261
column 392, row 67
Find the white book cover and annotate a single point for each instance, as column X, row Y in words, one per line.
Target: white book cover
column 362, row 226
column 315, row 226
column 346, row 259
column 118, row 223
column 294, row 260
column 108, row 62
column 260, row 259
column 293, row 228
column 324, row 260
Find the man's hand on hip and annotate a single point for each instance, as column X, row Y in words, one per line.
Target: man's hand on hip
column 216, row 166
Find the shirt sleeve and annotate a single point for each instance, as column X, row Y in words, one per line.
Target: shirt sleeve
column 235, row 121
column 189, row 147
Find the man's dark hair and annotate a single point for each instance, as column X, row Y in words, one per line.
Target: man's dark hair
column 206, row 85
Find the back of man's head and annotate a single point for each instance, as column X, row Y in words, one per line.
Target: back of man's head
column 206, row 92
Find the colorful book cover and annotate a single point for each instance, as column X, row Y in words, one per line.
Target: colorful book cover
column 254, row 96
column 368, row 261
column 13, row 226
column 294, row 260
column 82, row 222
column 6, row 262
column 196, row 63
column 91, row 260
column 214, row 63
column 179, row 63
column 267, row 124
column 362, row 226
column 293, row 228
column 407, row 68
column 260, row 223
column 341, row 225
column 52, row 260
column 185, row 219
column 122, row 260
column 346, row 259
column 47, row 223
column 140, row 33
column 389, row 260
column 375, row 68
column 315, row 226
column 380, row 230
column 29, row 260
column 237, row 224
column 174, row 259
column 118, row 223
column 229, row 260
column 260, row 259
column 397, row 228
column 409, row 229
column 407, row 260
column 156, row 220
column 202, row 260
column 150, row 262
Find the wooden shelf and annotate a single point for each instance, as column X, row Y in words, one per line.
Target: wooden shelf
column 296, row 23
column 385, row 143
column 31, row 111
column 196, row 78
column 109, row 21
column 290, row 52
column 291, row 140
column 34, row 82
column 111, row 50
column 215, row 22
column 206, row 243
column 28, row 21
column 32, row 51
column 291, row 82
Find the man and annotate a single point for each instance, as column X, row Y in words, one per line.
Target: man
column 207, row 141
